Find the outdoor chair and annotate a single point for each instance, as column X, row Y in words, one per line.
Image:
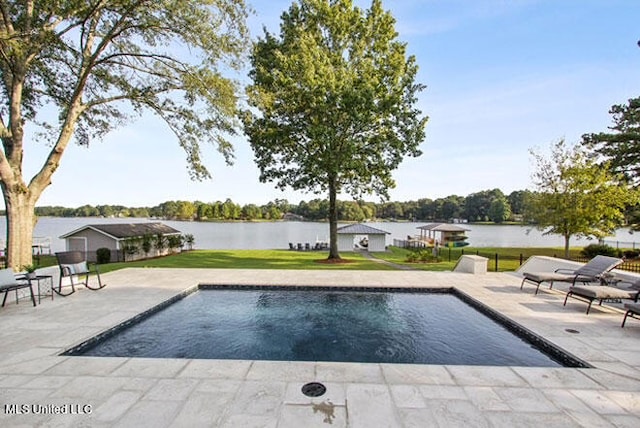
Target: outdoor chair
column 8, row 282
column 73, row 265
column 590, row 272
column 633, row 311
column 589, row 293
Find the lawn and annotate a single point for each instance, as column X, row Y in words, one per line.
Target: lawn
column 508, row 259
column 252, row 259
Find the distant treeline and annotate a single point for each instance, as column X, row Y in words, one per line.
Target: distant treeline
column 488, row 205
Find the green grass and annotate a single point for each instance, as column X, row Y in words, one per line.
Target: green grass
column 508, row 259
column 251, row 259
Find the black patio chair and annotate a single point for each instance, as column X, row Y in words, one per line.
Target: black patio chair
column 8, row 282
column 73, row 264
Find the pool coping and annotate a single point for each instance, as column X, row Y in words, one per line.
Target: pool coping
column 123, row 392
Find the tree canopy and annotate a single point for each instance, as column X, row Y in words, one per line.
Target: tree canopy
column 620, row 147
column 334, row 102
column 575, row 196
column 78, row 69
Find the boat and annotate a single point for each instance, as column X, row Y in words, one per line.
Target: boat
column 456, row 244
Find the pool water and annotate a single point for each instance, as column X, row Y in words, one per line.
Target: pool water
column 323, row 325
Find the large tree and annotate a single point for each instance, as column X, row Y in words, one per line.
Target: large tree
column 620, row 147
column 334, row 102
column 575, row 196
column 75, row 69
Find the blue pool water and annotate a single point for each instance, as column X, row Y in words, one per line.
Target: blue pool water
column 302, row 325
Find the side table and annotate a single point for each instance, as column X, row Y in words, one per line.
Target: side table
column 39, row 279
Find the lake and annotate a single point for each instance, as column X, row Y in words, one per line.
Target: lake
column 273, row 235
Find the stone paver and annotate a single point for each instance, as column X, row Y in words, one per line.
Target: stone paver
column 38, row 387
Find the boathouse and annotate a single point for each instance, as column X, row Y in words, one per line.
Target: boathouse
column 360, row 236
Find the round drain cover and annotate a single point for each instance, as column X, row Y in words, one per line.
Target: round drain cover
column 313, row 389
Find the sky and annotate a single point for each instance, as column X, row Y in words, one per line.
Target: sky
column 502, row 77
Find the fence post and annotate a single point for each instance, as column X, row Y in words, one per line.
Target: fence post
column 521, row 259
column 496, row 262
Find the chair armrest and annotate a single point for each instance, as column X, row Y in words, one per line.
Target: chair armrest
column 565, row 270
column 22, row 278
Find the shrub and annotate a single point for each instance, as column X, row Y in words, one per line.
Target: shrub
column 631, row 254
column 590, row 251
column 103, row 255
column 413, row 257
column 174, row 242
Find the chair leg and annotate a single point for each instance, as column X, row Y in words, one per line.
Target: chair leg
column 100, row 284
column 33, row 297
column 589, row 306
column 626, row 314
column 59, row 291
column 565, row 298
column 5, row 297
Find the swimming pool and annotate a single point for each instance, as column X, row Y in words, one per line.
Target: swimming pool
column 303, row 324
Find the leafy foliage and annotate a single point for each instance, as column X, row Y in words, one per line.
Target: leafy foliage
column 336, row 99
column 78, row 69
column 499, row 210
column 103, row 255
column 593, row 250
column 577, row 197
column 621, row 147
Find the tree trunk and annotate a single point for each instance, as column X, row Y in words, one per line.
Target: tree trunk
column 566, row 246
column 20, row 222
column 333, row 222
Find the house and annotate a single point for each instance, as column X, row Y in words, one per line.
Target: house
column 118, row 238
column 361, row 236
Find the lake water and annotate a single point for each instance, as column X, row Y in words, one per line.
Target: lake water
column 273, row 235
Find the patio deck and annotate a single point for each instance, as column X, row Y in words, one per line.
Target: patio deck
column 128, row 392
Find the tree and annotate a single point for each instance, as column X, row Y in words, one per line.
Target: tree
column 334, row 102
column 620, row 148
column 186, row 210
column 476, row 205
column 78, row 69
column 577, row 197
column 517, row 200
column 499, row 210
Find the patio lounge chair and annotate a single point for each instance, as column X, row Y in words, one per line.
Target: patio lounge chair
column 74, row 265
column 8, row 282
column 590, row 272
column 633, row 311
column 589, row 293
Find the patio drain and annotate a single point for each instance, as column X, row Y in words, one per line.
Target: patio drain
column 313, row 389
column 572, row 331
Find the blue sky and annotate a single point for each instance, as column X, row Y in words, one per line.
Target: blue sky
column 502, row 76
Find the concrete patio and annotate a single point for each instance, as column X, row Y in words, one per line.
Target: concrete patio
column 36, row 384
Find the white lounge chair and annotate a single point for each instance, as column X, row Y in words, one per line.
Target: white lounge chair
column 589, row 293
column 590, row 272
